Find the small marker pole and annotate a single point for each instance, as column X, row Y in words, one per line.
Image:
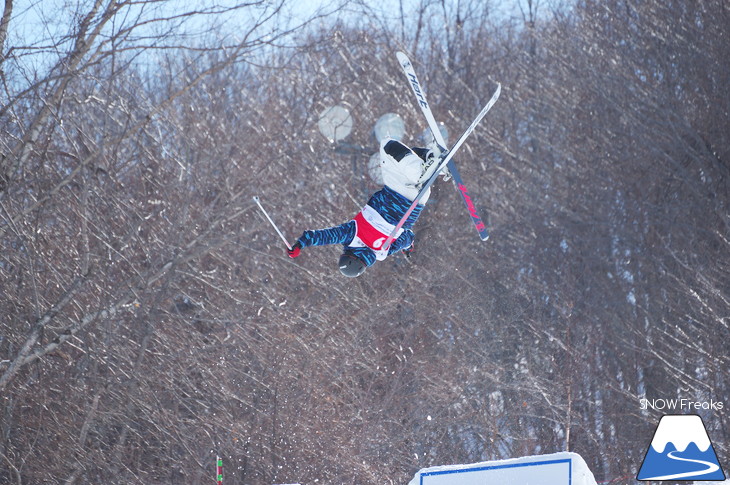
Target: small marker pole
column 219, row 470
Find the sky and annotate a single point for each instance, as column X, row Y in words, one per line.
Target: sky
column 38, row 31
column 34, row 19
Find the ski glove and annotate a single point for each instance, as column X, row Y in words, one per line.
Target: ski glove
column 295, row 250
column 407, row 251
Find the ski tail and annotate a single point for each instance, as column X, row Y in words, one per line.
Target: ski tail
column 479, row 225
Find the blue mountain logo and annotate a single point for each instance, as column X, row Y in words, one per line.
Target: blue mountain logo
column 681, row 450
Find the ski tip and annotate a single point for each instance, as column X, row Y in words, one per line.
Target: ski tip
column 403, row 59
column 255, row 198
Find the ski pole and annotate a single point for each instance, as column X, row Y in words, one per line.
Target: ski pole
column 219, row 470
column 258, row 202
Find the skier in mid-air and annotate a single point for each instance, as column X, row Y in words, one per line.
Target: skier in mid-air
column 395, row 208
column 404, row 172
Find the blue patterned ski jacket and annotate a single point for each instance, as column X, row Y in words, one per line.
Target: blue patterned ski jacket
column 390, row 205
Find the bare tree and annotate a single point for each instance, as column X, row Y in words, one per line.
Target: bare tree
column 151, row 320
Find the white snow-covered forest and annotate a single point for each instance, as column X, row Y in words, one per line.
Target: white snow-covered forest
column 150, row 318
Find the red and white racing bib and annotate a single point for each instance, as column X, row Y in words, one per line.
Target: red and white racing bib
column 372, row 231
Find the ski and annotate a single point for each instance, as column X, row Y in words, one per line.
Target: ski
column 410, row 73
column 443, row 163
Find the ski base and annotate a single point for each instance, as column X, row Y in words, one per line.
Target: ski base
column 445, row 161
column 410, row 74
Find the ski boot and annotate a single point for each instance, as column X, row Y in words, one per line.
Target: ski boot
column 432, row 157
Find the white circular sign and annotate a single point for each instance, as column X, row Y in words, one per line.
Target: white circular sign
column 390, row 125
column 335, row 123
column 427, row 136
